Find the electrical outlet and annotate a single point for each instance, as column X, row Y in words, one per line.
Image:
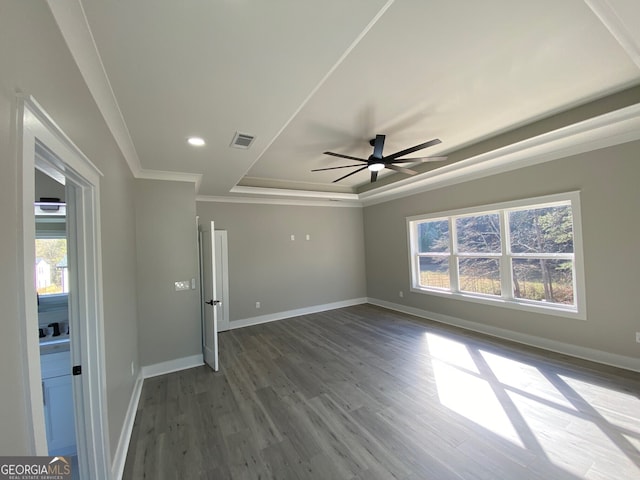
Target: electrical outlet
column 293, row 238
column 257, row 304
column 401, row 294
column 638, row 337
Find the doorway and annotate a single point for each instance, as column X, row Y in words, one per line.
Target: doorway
column 53, row 289
column 42, row 145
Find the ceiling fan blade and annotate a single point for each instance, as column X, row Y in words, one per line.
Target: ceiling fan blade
column 334, row 168
column 374, row 176
column 339, row 155
column 378, row 145
column 401, row 169
column 421, row 159
column 349, row 174
column 407, row 151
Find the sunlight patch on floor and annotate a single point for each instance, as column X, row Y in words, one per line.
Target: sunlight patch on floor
column 633, row 440
column 619, row 408
column 582, row 428
column 552, row 427
column 450, row 351
column 521, row 376
column 473, row 398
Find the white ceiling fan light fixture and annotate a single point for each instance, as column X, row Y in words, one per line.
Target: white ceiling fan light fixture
column 196, row 141
column 375, row 167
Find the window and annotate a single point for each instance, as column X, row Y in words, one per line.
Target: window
column 52, row 273
column 51, row 269
column 524, row 254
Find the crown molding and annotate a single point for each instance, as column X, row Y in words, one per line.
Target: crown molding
column 170, row 176
column 613, row 128
column 75, row 29
column 621, row 17
column 603, row 131
column 279, row 201
column 294, row 193
column 74, row 26
column 599, row 132
column 267, row 196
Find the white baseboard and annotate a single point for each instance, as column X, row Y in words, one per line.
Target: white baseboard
column 598, row 356
column 272, row 317
column 176, row 365
column 585, row 353
column 120, row 457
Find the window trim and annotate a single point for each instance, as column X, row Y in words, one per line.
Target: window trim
column 577, row 311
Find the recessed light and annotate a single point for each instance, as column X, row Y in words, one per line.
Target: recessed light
column 195, row 141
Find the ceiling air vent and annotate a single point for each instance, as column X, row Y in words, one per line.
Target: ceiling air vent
column 242, row 140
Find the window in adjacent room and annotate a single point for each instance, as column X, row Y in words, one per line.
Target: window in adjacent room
column 52, row 272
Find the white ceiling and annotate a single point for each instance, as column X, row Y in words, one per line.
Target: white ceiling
column 305, row 77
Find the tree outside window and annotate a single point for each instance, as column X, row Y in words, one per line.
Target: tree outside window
column 520, row 253
column 51, row 266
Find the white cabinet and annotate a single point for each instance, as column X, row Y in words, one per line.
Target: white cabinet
column 57, row 392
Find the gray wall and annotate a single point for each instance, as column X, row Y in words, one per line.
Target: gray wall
column 166, row 237
column 47, row 187
column 35, row 59
column 266, row 266
column 610, row 199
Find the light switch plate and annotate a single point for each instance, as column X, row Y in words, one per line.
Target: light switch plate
column 184, row 285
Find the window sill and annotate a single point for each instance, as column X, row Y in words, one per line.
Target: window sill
column 556, row 310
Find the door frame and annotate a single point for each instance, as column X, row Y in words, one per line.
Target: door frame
column 36, row 131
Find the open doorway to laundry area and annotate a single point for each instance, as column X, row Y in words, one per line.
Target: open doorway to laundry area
column 62, row 308
column 53, row 289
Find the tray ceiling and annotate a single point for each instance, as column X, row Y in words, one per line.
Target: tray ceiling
column 305, row 77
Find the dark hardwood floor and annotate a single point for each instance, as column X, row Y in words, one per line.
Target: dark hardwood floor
column 366, row 393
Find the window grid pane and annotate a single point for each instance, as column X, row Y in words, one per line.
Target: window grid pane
column 433, row 236
column 434, row 272
column 478, row 234
column 479, row 275
column 543, row 280
column 541, row 230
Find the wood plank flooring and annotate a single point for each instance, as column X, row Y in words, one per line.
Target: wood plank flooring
column 366, row 393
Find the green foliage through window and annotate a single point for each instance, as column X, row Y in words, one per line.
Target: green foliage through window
column 522, row 254
column 51, row 266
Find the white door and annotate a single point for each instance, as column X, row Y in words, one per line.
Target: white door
column 210, row 316
column 222, row 279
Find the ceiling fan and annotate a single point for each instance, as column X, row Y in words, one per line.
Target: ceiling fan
column 377, row 161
